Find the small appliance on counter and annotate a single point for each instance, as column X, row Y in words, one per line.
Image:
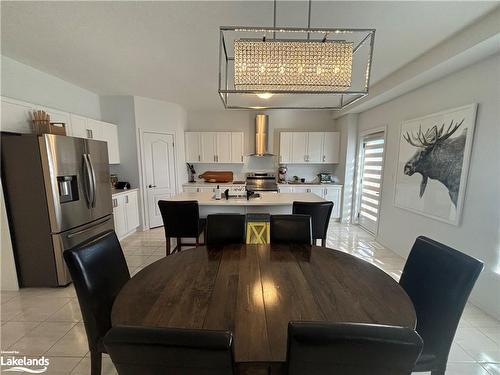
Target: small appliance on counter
column 282, row 174
column 235, row 192
column 122, row 185
column 327, row 178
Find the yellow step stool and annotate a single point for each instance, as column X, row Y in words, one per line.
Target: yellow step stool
column 258, row 229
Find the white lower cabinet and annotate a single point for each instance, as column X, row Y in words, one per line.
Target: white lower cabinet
column 329, row 193
column 125, row 213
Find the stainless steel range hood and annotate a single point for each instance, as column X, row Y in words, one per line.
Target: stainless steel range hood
column 261, row 136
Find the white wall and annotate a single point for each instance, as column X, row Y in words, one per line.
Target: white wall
column 348, row 128
column 478, row 234
column 279, row 120
column 22, row 82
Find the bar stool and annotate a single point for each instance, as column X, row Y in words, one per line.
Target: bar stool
column 181, row 219
column 320, row 213
column 258, row 229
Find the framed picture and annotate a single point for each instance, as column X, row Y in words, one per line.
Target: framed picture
column 433, row 163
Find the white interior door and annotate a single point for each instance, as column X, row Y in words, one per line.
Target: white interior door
column 159, row 172
column 370, row 183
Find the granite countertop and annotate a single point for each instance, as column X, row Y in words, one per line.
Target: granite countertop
column 265, row 199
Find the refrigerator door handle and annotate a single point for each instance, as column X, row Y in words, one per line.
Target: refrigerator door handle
column 88, row 180
column 93, row 184
column 74, row 234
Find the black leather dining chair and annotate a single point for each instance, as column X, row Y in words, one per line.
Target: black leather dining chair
column 438, row 280
column 99, row 271
column 320, row 213
column 225, row 229
column 181, row 219
column 291, row 229
column 317, row 348
column 160, row 351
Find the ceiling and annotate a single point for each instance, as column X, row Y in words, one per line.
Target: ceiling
column 169, row 50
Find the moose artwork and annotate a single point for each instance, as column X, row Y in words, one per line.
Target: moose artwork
column 434, row 154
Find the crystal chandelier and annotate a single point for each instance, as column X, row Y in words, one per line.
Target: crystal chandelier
column 277, row 67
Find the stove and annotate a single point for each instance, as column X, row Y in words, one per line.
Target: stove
column 261, row 181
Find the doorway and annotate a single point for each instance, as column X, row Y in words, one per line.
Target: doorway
column 369, row 181
column 159, row 176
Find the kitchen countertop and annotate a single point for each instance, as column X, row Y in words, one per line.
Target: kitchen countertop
column 306, row 184
column 266, row 199
column 122, row 191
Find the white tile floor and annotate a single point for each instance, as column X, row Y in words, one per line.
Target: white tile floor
column 48, row 322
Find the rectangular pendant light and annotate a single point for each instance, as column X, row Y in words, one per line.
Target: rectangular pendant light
column 292, row 65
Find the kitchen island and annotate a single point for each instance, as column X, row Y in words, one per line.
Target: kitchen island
column 268, row 202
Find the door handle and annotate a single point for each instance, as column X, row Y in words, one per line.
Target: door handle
column 242, row 158
column 151, row 186
column 199, row 158
column 94, row 185
column 324, row 158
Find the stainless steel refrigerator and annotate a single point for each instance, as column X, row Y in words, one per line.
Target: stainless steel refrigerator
column 58, row 195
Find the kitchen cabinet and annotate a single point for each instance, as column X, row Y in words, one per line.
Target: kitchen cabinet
column 214, row 147
column 109, row 134
column 16, row 116
column 331, row 193
column 299, row 147
column 78, row 126
column 315, row 147
column 190, row 189
column 223, row 147
column 237, row 147
column 309, row 147
column 193, row 147
column 285, row 147
column 331, row 147
column 208, row 147
column 125, row 213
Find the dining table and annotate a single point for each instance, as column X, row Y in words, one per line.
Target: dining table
column 255, row 290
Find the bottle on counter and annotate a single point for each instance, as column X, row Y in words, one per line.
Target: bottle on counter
column 218, row 195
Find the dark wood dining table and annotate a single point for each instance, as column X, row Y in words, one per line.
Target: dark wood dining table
column 255, row 290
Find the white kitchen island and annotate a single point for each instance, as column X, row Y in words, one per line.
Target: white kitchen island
column 268, row 202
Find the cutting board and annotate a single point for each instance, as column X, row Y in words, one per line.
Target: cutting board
column 217, row 176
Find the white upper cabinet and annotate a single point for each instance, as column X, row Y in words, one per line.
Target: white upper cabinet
column 16, row 116
column 223, row 153
column 286, row 147
column 312, row 147
column 214, row 147
column 193, row 147
column 237, row 147
column 94, row 129
column 208, row 147
column 315, row 147
column 299, row 147
column 109, row 133
column 331, row 147
column 78, row 126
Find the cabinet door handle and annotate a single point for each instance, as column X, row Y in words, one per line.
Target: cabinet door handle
column 324, row 158
column 199, row 158
column 126, row 199
column 151, row 186
column 88, row 133
column 242, row 158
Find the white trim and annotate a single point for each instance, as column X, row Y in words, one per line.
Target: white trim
column 357, row 196
column 142, row 179
column 465, row 164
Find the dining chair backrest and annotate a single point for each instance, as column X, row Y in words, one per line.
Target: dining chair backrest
column 180, row 218
column 294, row 229
column 99, row 271
column 320, row 213
column 225, row 229
column 317, row 348
column 158, row 351
column 438, row 280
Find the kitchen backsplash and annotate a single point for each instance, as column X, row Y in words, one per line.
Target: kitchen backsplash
column 266, row 164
